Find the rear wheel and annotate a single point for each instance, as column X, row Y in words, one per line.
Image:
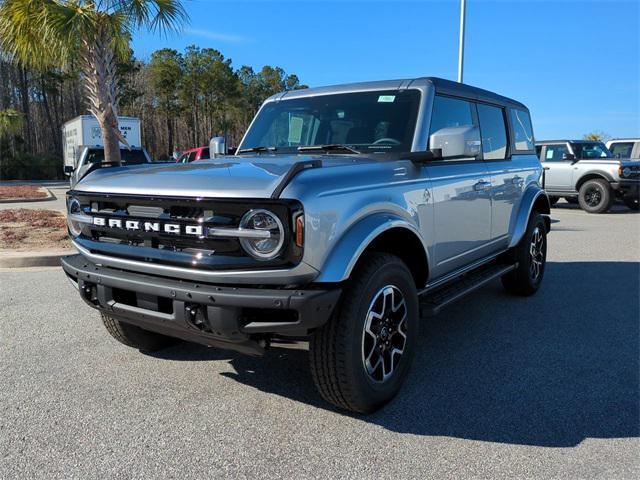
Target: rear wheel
column 136, row 337
column 531, row 255
column 360, row 358
column 595, row 196
column 632, row 202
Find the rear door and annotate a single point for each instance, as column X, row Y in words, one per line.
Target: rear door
column 461, row 195
column 507, row 177
column 558, row 170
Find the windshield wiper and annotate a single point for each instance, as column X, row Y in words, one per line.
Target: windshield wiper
column 257, row 149
column 329, row 147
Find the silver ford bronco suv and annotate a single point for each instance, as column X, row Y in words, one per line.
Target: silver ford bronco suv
column 586, row 172
column 345, row 213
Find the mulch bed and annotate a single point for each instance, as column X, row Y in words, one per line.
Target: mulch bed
column 23, row 229
column 25, row 192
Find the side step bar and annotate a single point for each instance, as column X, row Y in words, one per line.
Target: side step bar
column 436, row 300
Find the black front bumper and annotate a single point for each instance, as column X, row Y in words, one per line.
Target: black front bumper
column 627, row 188
column 221, row 316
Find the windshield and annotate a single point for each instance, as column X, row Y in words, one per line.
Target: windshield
column 587, row 150
column 128, row 157
column 378, row 121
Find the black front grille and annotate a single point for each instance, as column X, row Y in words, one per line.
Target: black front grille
column 179, row 249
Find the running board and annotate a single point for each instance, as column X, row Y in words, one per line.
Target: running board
column 437, row 299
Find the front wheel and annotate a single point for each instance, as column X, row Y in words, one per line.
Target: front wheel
column 360, row 358
column 595, row 196
column 531, row 256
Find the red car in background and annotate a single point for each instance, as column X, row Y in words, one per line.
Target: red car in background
column 199, row 153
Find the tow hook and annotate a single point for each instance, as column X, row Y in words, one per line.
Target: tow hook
column 195, row 316
column 89, row 292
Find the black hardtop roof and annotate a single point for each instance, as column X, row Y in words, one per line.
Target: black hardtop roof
column 449, row 87
column 440, row 85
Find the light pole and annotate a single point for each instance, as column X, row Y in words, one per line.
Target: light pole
column 463, row 7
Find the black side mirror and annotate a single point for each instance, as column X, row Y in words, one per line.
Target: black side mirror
column 68, row 169
column 426, row 156
column 568, row 156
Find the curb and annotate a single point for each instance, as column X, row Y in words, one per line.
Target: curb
column 50, row 196
column 32, row 259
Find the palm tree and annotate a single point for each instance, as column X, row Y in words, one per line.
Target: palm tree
column 91, row 35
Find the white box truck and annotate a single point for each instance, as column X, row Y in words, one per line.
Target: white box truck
column 84, row 131
column 83, row 148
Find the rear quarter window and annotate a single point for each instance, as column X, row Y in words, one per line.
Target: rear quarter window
column 522, row 130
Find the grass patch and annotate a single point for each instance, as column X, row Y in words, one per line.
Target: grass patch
column 24, row 229
column 25, row 192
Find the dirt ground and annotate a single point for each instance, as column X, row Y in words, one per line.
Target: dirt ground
column 14, row 192
column 24, row 229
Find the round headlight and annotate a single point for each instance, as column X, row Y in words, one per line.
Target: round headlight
column 264, row 234
column 75, row 228
column 626, row 172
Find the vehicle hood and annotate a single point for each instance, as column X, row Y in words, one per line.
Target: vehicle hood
column 629, row 163
column 223, row 177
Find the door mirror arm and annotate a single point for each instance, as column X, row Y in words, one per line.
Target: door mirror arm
column 424, row 157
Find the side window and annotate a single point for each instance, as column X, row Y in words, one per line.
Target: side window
column 452, row 117
column 554, row 153
column 192, row 157
column 450, row 112
column 522, row 131
column 493, row 132
column 623, row 149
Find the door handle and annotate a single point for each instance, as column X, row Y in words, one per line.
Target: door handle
column 517, row 180
column 481, row 185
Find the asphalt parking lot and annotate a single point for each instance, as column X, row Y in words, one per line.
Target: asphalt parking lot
column 502, row 387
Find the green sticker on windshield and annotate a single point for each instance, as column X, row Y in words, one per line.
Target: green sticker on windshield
column 295, row 129
column 386, row 98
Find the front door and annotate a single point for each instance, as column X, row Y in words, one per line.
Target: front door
column 558, row 175
column 461, row 190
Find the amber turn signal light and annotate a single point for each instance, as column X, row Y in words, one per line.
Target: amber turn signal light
column 300, row 230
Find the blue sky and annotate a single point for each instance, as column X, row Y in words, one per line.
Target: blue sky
column 574, row 63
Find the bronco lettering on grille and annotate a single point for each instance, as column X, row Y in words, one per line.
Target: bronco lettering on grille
column 137, row 225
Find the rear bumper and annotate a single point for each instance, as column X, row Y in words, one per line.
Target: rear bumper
column 220, row 316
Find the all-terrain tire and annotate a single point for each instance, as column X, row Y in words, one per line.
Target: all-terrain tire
column 525, row 280
column 338, row 349
column 136, row 337
column 595, row 196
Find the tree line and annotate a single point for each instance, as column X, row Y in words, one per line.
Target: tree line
column 182, row 99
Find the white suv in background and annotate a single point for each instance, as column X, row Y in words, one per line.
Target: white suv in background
column 624, row 147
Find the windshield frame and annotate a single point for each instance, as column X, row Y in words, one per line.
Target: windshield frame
column 415, row 143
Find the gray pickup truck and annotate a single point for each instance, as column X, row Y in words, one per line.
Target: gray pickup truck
column 587, row 173
column 92, row 158
column 344, row 211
